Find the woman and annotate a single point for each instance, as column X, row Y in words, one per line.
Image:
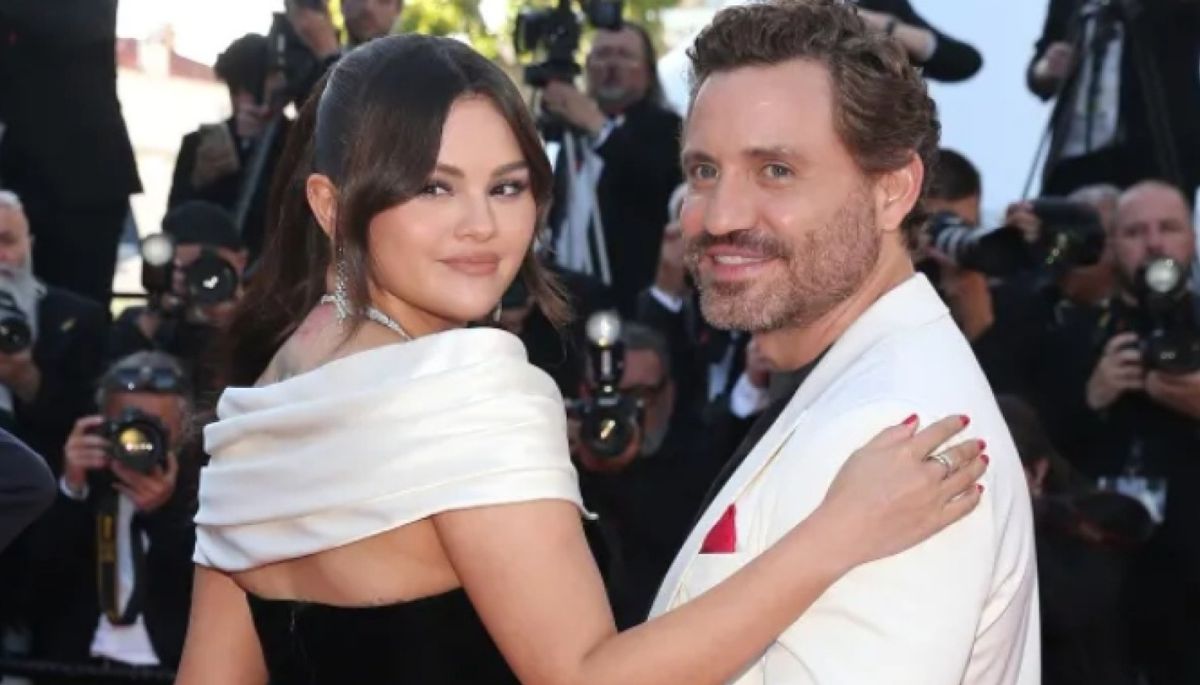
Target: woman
column 393, row 501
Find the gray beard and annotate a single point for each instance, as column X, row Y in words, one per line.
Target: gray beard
column 25, row 289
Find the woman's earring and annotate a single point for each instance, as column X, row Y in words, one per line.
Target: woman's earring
column 341, row 294
column 496, row 314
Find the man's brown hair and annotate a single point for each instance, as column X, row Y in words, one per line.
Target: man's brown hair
column 882, row 110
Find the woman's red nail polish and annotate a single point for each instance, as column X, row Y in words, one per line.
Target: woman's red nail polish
column 966, row 420
column 980, row 488
column 910, row 420
column 982, row 445
column 985, row 459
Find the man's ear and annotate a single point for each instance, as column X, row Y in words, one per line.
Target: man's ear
column 897, row 192
column 322, row 200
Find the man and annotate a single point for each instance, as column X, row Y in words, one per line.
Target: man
column 1124, row 77
column 175, row 322
column 47, row 385
column 707, row 363
column 214, row 162
column 647, row 498
column 1010, row 318
column 367, row 20
column 804, row 196
column 65, row 149
column 313, row 24
column 1114, row 415
column 939, row 56
column 150, row 571
column 624, row 146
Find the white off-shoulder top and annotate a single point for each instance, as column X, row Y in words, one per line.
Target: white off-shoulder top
column 376, row 440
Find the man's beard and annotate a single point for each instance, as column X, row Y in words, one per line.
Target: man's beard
column 822, row 268
column 25, row 289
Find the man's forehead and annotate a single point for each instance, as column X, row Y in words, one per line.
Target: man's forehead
column 12, row 219
column 626, row 36
column 1153, row 205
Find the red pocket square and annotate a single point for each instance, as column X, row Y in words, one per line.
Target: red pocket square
column 722, row 539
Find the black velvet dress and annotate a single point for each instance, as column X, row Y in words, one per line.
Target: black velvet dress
column 435, row 640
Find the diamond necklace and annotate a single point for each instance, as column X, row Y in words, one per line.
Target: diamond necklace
column 377, row 316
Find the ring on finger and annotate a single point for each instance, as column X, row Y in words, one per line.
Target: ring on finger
column 944, row 460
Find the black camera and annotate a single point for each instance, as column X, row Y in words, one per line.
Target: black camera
column 1071, row 236
column 139, row 440
column 558, row 31
column 1169, row 334
column 207, row 280
column 609, row 420
column 16, row 335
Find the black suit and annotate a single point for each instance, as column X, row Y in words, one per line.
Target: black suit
column 694, row 346
column 69, row 352
column 66, row 150
column 225, row 191
column 952, row 60
column 26, row 487
column 65, row 589
column 641, row 170
column 1169, row 33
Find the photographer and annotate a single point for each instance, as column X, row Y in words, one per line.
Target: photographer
column 191, row 297
column 1122, row 408
column 559, row 352
column 121, row 601
column 213, row 161
column 65, row 147
column 311, row 23
column 626, row 151
column 707, row 363
column 1123, row 73
column 51, row 344
column 1087, row 543
column 647, row 496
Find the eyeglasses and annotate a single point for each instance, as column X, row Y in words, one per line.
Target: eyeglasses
column 147, row 379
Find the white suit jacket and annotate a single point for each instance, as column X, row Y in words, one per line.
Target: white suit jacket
column 959, row 608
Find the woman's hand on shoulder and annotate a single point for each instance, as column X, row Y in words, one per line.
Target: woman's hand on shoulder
column 897, row 490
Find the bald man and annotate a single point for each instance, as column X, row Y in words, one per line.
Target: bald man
column 1116, row 414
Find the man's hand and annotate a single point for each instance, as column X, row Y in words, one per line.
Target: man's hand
column 20, row 374
column 1119, row 371
column 84, row 452
column 315, row 28
column 576, row 108
column 671, row 275
column 1054, row 66
column 1178, row 392
column 216, row 156
column 149, row 491
column 1021, row 216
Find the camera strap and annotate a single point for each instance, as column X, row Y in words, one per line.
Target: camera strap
column 108, row 563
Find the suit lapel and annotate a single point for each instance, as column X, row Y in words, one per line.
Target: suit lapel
column 912, row 303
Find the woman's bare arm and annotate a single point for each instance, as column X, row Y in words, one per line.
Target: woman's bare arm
column 531, row 577
column 222, row 647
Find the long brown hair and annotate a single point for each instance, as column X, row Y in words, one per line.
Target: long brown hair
column 373, row 125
